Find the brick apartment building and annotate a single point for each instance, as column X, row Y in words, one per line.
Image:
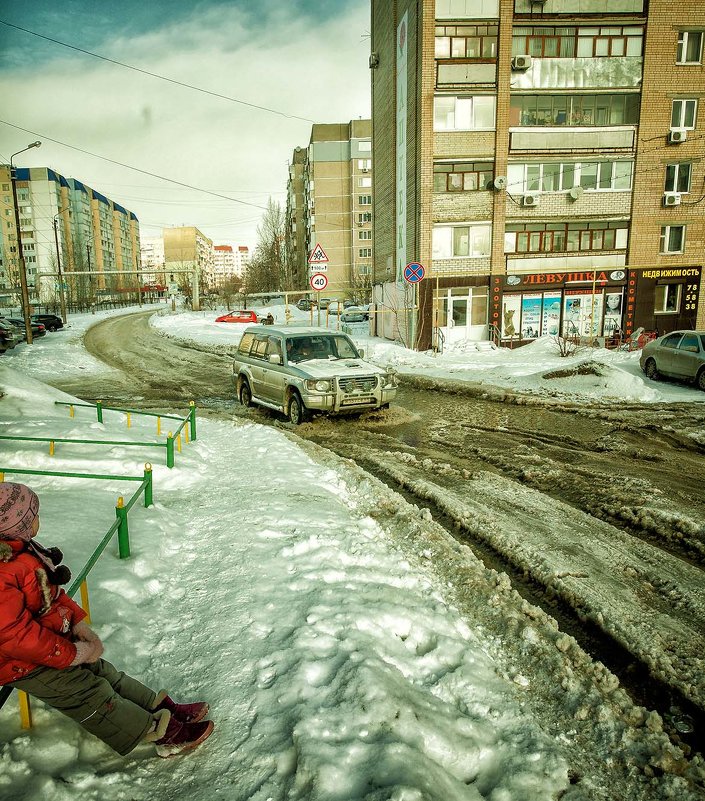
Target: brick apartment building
column 187, row 249
column 329, row 202
column 543, row 160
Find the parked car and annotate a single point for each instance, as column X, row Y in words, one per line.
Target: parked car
column 50, row 321
column 355, row 314
column 238, row 316
column 38, row 330
column 8, row 336
column 335, row 307
column 305, row 304
column 305, row 370
column 680, row 354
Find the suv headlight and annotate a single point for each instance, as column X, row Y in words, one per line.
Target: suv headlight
column 320, row 385
column 389, row 380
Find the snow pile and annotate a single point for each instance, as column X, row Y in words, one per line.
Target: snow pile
column 349, row 649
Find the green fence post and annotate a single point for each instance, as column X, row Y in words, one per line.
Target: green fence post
column 148, row 486
column 99, row 410
column 192, row 415
column 123, row 533
column 170, row 450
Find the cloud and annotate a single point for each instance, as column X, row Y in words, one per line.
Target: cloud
column 299, row 65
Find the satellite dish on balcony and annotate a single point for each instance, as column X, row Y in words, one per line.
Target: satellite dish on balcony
column 500, row 182
column 575, row 192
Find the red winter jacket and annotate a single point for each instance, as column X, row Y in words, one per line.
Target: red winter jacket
column 36, row 617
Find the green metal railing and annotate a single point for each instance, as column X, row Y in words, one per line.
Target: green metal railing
column 171, row 443
column 119, row 527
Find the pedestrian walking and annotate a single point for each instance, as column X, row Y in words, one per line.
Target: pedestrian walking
column 49, row 651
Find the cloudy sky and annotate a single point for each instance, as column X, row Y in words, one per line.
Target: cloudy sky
column 304, row 59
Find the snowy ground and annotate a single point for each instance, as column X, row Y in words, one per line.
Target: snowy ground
column 348, row 647
column 592, row 374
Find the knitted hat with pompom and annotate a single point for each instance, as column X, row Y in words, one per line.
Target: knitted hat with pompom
column 19, row 507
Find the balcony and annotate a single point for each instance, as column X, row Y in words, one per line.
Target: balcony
column 580, row 73
column 565, row 139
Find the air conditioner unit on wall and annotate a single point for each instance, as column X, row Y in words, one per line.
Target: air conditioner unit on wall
column 677, row 135
column 520, row 63
column 671, row 198
column 530, row 200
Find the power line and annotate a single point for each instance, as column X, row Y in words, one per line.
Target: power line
column 156, row 75
column 135, row 169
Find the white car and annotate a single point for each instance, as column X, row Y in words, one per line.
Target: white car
column 302, row 371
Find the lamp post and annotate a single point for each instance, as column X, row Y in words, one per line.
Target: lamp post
column 20, row 254
column 62, row 297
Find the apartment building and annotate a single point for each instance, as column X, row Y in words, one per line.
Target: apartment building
column 242, row 260
column 152, row 251
column 187, row 249
column 329, row 203
column 64, row 222
column 542, row 159
column 224, row 266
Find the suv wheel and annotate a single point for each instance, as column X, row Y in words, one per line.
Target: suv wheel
column 651, row 370
column 296, row 410
column 245, row 394
column 700, row 380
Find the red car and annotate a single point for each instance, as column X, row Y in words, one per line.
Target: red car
column 239, row 316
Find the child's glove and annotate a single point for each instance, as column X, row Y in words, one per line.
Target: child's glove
column 89, row 648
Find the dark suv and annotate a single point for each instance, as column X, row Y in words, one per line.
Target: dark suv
column 50, row 321
column 8, row 337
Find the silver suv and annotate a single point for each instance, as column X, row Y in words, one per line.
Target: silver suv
column 305, row 370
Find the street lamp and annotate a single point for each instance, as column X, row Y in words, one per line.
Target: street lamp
column 22, row 268
column 62, row 297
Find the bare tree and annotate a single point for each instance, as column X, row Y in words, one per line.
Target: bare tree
column 267, row 270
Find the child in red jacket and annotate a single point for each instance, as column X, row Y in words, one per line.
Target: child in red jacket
column 48, row 650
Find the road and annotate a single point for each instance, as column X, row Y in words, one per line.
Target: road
column 595, row 512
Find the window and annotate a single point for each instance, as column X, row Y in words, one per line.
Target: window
column 466, row 41
column 364, row 164
column 364, row 234
column 463, row 113
column 6, row 187
column 678, row 177
column 689, row 343
column 602, row 42
column 690, row 47
column 668, row 301
column 452, row 241
column 560, row 177
column 365, row 217
column 464, row 176
column 364, row 182
column 565, row 237
column 365, row 253
column 364, row 200
column 363, row 269
column 672, row 239
column 684, row 114
column 574, row 110
column 364, row 147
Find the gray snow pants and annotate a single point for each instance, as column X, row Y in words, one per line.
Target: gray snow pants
column 105, row 701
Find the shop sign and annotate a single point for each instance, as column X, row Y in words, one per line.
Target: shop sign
column 585, row 276
column 672, row 272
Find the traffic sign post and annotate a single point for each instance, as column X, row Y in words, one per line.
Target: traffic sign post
column 318, row 256
column 318, row 281
column 414, row 272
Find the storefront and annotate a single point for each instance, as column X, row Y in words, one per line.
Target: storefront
column 453, row 310
column 594, row 303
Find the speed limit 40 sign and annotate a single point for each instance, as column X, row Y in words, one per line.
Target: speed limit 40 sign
column 318, row 281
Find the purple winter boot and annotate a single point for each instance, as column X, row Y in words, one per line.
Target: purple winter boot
column 186, row 713
column 180, row 737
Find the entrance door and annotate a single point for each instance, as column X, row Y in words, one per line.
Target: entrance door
column 462, row 313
